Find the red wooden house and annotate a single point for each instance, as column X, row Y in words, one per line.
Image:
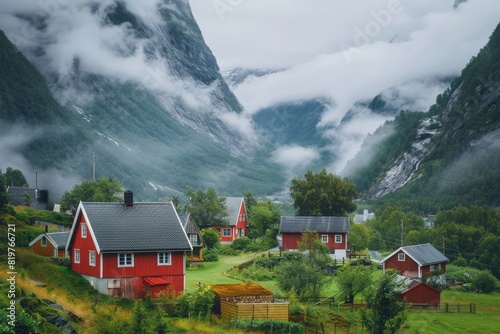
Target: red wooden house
column 129, row 249
column 237, row 220
column 50, row 244
column 332, row 231
column 419, row 293
column 416, row 261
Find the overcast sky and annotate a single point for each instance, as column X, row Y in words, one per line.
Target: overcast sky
column 344, row 51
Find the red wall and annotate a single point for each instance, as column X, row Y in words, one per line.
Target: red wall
column 422, row 294
column 84, row 245
column 291, row 240
column 239, row 225
column 145, row 264
column 44, row 251
column 401, row 266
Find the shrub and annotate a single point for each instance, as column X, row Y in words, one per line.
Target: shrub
column 211, row 255
column 240, row 243
column 484, row 282
column 228, row 250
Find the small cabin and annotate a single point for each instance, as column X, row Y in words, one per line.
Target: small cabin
column 50, row 244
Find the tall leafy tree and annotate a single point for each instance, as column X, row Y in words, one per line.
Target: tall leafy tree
column 14, row 177
column 207, row 207
column 100, row 190
column 263, row 217
column 323, row 194
column 385, row 313
column 353, row 280
column 359, row 237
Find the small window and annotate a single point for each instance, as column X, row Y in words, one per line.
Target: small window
column 44, row 241
column 338, row 238
column 92, row 258
column 126, row 260
column 431, row 268
column 76, row 255
column 401, row 256
column 438, row 266
column 164, row 259
column 193, row 238
column 226, row 232
column 84, row 230
column 324, row 238
column 242, row 217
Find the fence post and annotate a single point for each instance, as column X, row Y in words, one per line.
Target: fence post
column 458, row 306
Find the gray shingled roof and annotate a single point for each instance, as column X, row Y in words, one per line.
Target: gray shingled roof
column 59, row 238
column 188, row 224
column 142, row 227
column 297, row 224
column 233, row 205
column 425, row 254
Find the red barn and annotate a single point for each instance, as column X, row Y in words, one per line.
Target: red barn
column 237, row 220
column 421, row 293
column 332, row 232
column 416, row 261
column 129, row 249
column 50, row 244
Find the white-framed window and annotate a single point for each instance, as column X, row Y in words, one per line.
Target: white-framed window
column 242, row 217
column 164, row 259
column 438, row 266
column 44, row 241
column 83, row 228
column 338, row 238
column 92, row 258
column 226, row 232
column 76, row 255
column 125, row 260
column 193, row 238
column 324, row 238
column 401, row 257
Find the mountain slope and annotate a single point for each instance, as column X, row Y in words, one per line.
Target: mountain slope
column 154, row 112
column 447, row 156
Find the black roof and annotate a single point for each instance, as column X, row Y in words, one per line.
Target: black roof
column 141, row 227
column 298, row 224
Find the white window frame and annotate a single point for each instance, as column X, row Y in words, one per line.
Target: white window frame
column 193, row 239
column 92, row 258
column 338, row 238
column 224, row 232
column 43, row 242
column 126, row 257
column 83, row 229
column 401, row 257
column 431, row 268
column 242, row 217
column 161, row 259
column 324, row 238
column 76, row 255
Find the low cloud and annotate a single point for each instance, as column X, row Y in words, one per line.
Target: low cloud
column 295, row 157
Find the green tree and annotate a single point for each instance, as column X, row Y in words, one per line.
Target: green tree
column 323, row 194
column 484, row 282
column 263, row 216
column 211, row 237
column 384, row 313
column 303, row 272
column 100, row 190
column 250, row 200
column 359, row 237
column 3, row 192
column 207, row 207
column 353, row 280
column 14, row 177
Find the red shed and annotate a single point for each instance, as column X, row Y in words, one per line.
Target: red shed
column 50, row 244
column 129, row 249
column 416, row 261
column 421, row 293
column 332, row 231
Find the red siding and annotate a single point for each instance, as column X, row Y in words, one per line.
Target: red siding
column 422, row 294
column 37, row 248
column 291, row 240
column 145, row 264
column 241, row 225
column 401, row 266
column 84, row 245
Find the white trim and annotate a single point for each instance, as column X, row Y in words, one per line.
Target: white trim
column 323, row 238
column 338, row 235
column 83, row 230
column 76, row 250
column 124, row 265
column 168, row 263
column 92, row 254
column 402, row 258
column 182, row 225
column 230, row 231
column 101, row 265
